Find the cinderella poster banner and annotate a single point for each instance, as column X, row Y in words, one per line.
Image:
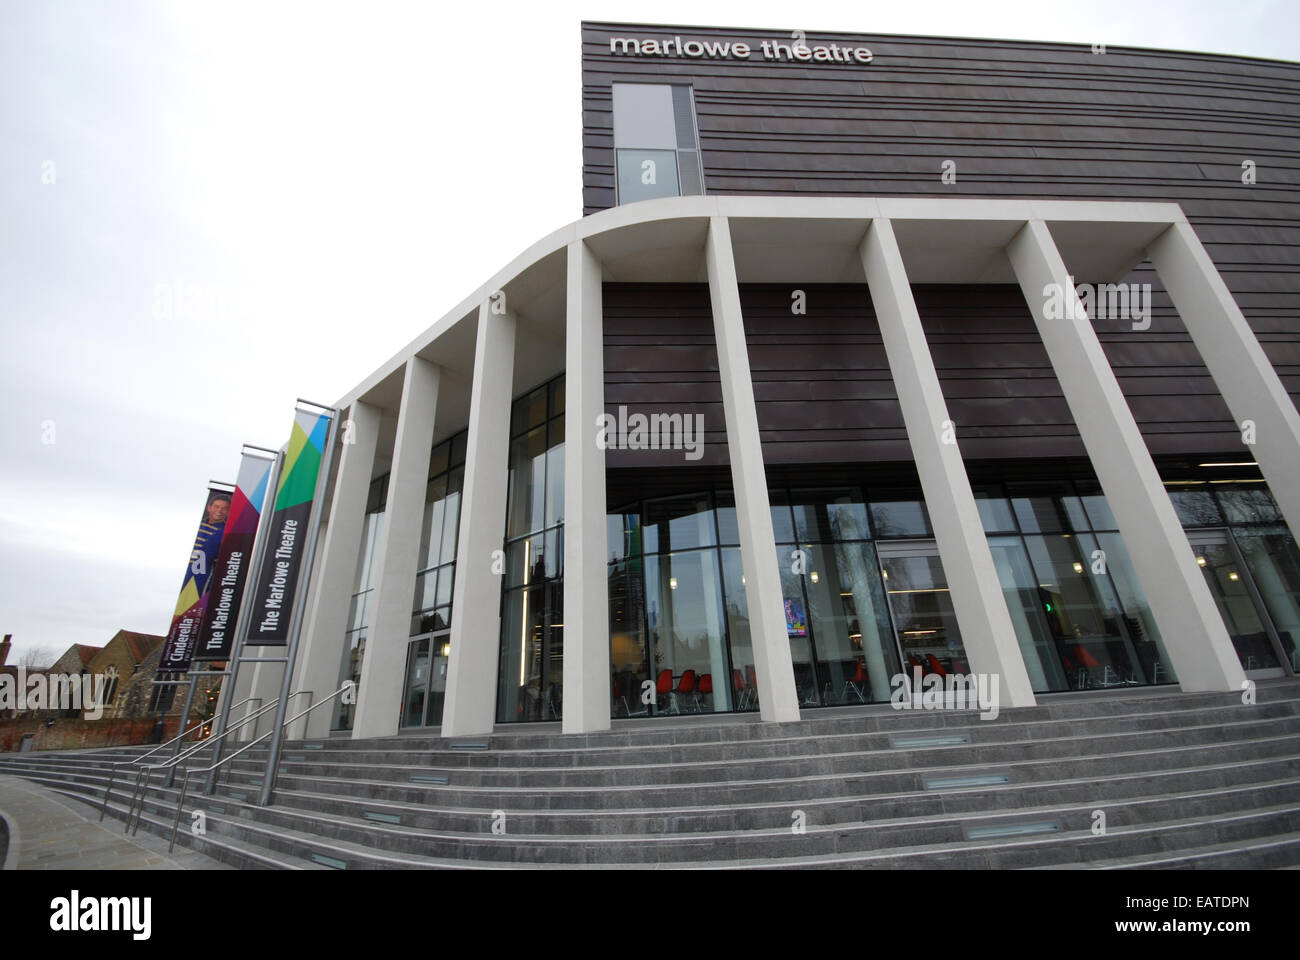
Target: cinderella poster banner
column 179, row 649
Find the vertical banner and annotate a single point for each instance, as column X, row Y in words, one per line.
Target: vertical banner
column 217, row 633
column 286, row 541
column 179, row 648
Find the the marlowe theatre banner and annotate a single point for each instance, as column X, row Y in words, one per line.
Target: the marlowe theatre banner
column 217, row 634
column 179, row 649
column 287, row 534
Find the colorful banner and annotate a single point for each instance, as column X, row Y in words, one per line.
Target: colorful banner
column 288, row 536
column 217, row 633
column 184, row 631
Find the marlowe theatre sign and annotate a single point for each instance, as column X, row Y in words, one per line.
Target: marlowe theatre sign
column 730, row 50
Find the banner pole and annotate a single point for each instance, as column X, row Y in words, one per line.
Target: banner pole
column 185, row 722
column 299, row 605
column 241, row 617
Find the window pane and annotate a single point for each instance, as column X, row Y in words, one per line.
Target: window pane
column 1098, row 510
column 451, row 515
column 628, row 654
column 899, row 515
column 1196, row 507
column 623, row 534
column 529, row 411
column 527, row 482
column 687, row 633
column 851, row 632
column 1274, row 564
column 646, row 175
column 439, row 460
column 728, row 530
column 678, row 523
column 557, row 396
column 458, row 444
column 1249, row 506
column 417, row 681
column 824, row 515
column 995, row 511
column 555, row 473
column 1021, row 591
column 643, row 116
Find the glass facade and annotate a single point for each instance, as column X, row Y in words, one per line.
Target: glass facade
column 1081, row 618
column 424, row 689
column 354, row 649
column 679, row 633
column 531, row 674
column 1251, row 564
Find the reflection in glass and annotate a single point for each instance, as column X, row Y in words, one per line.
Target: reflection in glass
column 1274, row 563
column 1227, row 583
column 925, row 624
column 685, row 623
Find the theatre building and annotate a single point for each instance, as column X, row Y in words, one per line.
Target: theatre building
column 868, row 355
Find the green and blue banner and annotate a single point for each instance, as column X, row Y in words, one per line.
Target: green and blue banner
column 288, row 533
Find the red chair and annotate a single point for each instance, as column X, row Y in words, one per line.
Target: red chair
column 663, row 687
column 685, row 687
column 706, row 689
column 857, row 683
column 742, row 691
column 935, row 665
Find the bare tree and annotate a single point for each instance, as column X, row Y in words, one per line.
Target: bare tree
column 37, row 658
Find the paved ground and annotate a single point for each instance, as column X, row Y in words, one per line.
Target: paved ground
column 57, row 833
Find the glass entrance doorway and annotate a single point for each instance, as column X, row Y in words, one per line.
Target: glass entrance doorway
column 426, row 679
column 925, row 625
column 1261, row 650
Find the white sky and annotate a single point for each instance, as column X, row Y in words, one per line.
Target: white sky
column 256, row 201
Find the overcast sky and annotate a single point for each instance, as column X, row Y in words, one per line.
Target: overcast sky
column 208, row 209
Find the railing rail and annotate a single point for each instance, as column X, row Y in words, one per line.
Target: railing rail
column 139, row 795
column 112, row 772
column 185, row 780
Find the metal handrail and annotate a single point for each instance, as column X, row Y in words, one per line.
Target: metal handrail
column 147, row 770
column 185, row 781
column 112, row 771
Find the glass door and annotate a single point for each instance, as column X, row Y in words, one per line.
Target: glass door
column 1239, row 603
column 925, row 625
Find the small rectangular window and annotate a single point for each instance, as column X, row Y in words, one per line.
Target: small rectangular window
column 655, row 144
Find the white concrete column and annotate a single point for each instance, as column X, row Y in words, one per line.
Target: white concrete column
column 778, row 699
column 470, row 705
column 987, row 632
column 379, row 693
column 586, row 578
column 1249, row 384
column 1188, row 619
column 324, row 639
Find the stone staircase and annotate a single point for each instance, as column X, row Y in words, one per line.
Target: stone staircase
column 1183, row 780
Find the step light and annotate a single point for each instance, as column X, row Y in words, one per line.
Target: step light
column 1012, row 830
column 948, row 783
column 427, row 778
column 313, row 746
column 903, row 743
column 470, row 745
column 381, row 817
column 216, row 808
column 332, row 862
column 296, row 757
column 237, row 796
